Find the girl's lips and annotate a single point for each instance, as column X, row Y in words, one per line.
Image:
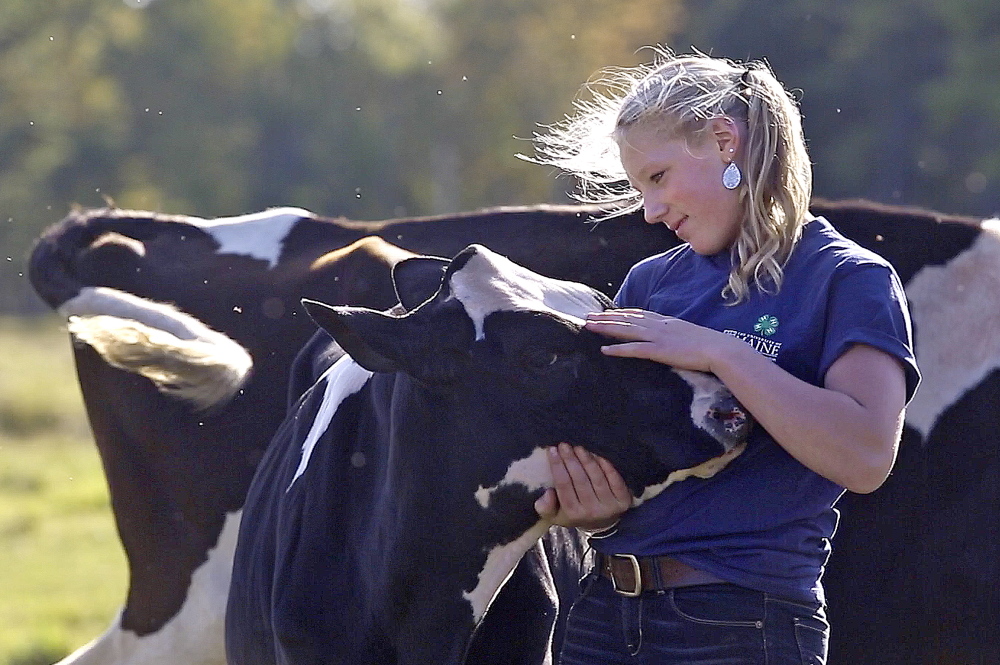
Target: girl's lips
column 676, row 227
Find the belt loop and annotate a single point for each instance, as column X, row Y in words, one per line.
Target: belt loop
column 657, row 572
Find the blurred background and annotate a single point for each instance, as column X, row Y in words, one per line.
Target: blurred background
column 382, row 108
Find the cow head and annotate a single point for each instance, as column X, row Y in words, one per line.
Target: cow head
column 506, row 350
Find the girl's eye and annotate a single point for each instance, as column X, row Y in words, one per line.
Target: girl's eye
column 656, row 177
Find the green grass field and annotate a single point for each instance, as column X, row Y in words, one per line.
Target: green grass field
column 62, row 571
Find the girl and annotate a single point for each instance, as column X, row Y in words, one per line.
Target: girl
column 807, row 329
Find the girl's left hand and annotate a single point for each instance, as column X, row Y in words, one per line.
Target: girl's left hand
column 588, row 491
column 653, row 336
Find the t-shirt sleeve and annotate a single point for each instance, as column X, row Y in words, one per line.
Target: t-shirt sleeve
column 640, row 282
column 623, row 297
column 867, row 305
column 628, row 292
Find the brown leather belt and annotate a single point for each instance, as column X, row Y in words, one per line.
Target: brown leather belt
column 631, row 575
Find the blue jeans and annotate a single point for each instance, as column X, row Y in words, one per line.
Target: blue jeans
column 711, row 624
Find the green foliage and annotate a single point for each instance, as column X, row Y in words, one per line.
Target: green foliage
column 900, row 97
column 376, row 108
column 516, row 64
column 43, row 652
column 366, row 108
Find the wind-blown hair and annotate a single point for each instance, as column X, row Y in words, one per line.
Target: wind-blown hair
column 679, row 95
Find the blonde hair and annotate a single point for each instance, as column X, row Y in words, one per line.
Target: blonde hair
column 681, row 94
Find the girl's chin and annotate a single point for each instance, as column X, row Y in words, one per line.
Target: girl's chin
column 703, row 249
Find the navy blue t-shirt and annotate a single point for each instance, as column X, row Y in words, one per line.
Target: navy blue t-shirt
column 765, row 521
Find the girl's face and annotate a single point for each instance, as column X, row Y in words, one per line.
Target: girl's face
column 681, row 184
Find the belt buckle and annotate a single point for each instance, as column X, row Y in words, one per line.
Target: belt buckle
column 637, row 591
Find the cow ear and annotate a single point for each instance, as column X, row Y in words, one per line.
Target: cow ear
column 417, row 279
column 351, row 327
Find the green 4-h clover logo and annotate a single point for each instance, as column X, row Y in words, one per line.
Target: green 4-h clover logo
column 766, row 325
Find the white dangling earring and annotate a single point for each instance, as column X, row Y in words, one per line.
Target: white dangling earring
column 731, row 177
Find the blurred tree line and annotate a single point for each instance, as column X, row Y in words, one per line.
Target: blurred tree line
column 380, row 108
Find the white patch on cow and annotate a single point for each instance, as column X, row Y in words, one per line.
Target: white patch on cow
column 499, row 565
column 177, row 352
column 194, row 636
column 704, row 470
column 102, row 300
column 490, row 283
column 532, row 471
column 344, row 378
column 112, row 238
column 260, row 235
column 955, row 311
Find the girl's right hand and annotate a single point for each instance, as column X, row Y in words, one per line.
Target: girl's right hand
column 665, row 339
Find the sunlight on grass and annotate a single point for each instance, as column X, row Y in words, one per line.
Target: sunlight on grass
column 62, row 571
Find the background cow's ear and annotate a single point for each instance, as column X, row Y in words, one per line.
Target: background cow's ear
column 417, row 279
column 351, row 327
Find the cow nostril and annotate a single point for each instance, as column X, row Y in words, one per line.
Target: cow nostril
column 733, row 419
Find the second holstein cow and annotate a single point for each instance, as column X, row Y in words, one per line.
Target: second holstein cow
column 397, row 496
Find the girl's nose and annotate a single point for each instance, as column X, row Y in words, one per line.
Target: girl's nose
column 653, row 211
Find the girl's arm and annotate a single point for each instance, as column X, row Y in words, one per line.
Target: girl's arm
column 847, row 431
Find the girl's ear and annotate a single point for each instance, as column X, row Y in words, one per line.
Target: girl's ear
column 727, row 137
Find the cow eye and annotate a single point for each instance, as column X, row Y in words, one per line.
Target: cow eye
column 541, row 358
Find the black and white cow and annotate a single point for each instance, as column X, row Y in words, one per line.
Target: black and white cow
column 178, row 473
column 910, row 577
column 397, row 496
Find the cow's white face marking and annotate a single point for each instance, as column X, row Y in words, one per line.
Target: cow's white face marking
column 708, row 391
column 955, row 313
column 532, row 471
column 260, row 235
column 194, row 636
column 344, row 378
column 490, row 283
